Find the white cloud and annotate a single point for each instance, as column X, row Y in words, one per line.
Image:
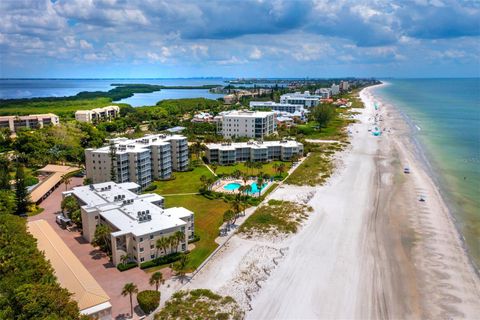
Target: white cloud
column 256, row 54
column 85, row 45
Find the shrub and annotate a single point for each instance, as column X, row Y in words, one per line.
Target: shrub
column 196, row 238
column 148, row 300
column 169, row 258
column 151, row 187
column 126, row 266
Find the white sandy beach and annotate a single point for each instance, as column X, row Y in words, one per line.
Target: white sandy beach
column 369, row 250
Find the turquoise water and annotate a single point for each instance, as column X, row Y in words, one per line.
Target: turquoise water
column 255, row 188
column 232, row 186
column 446, row 116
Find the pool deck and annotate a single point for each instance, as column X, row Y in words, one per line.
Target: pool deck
column 219, row 186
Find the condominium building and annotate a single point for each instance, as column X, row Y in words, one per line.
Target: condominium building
column 33, row 121
column 305, row 99
column 344, row 85
column 324, row 93
column 136, row 221
column 98, row 114
column 283, row 107
column 229, row 153
column 251, row 124
column 138, row 160
column 335, row 89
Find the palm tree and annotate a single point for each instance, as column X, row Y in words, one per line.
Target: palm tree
column 179, row 238
column 156, row 279
column 161, row 244
column 228, row 216
column 241, row 189
column 275, row 167
column 124, row 258
column 128, row 290
column 180, row 266
column 237, row 208
column 259, row 166
column 214, row 168
column 259, row 183
column 171, row 242
column 281, row 168
column 66, row 181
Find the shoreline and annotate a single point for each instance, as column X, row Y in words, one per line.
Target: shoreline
column 424, row 158
column 438, row 256
column 369, row 249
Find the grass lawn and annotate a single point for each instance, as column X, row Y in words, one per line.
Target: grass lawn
column 267, row 168
column 208, row 219
column 184, row 182
column 334, row 130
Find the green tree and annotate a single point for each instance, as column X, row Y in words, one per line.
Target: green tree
column 128, row 290
column 260, row 181
column 162, row 243
column 148, row 300
column 180, row 267
column 8, row 203
column 66, row 180
column 322, row 114
column 5, row 174
column 69, row 204
column 21, row 192
column 124, row 258
column 156, row 279
column 228, row 216
column 101, row 238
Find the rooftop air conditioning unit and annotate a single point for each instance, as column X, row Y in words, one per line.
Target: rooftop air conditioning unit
column 149, row 217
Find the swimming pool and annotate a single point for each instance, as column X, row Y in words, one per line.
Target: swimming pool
column 232, row 186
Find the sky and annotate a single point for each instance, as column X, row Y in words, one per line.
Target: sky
column 249, row 38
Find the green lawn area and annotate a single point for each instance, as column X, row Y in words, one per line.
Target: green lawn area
column 208, row 219
column 266, row 168
column 184, row 182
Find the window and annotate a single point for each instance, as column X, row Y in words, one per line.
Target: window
column 141, row 249
column 152, row 256
column 134, row 239
column 151, row 236
column 142, row 259
column 152, row 246
column 141, row 239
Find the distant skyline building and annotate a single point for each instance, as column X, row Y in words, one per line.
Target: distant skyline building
column 137, row 221
column 138, row 160
column 305, row 99
column 244, row 123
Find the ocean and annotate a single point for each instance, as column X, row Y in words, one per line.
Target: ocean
column 445, row 114
column 30, row 88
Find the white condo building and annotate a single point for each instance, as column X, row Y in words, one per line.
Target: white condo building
column 251, row 124
column 324, row 93
column 335, row 89
column 305, row 99
column 344, row 85
column 33, row 121
column 283, row 107
column 98, row 114
column 229, row 153
column 138, row 160
column 136, row 220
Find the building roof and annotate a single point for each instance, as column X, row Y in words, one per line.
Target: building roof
column 56, row 177
column 248, row 114
column 123, row 208
column 70, row 272
column 253, row 144
column 124, row 145
column 176, row 129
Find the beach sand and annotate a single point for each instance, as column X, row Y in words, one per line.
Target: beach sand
column 369, row 250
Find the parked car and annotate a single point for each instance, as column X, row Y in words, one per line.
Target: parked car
column 63, row 221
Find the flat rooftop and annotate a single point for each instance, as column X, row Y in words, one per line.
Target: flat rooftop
column 248, row 114
column 70, row 272
column 124, row 145
column 127, row 211
column 253, row 144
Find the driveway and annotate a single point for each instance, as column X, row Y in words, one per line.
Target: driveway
column 109, row 278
